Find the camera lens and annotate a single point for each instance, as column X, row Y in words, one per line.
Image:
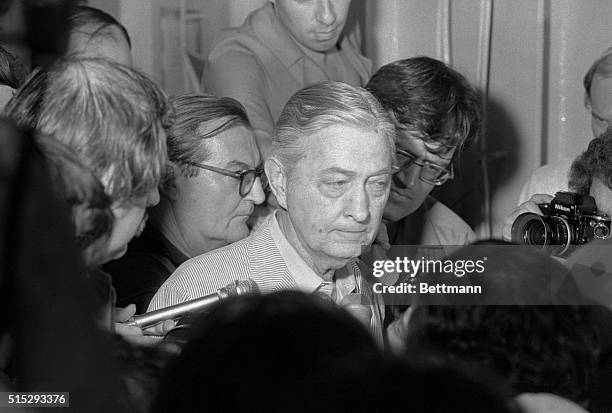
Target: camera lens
column 535, row 233
column 551, row 234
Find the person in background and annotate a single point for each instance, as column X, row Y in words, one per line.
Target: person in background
column 330, row 171
column 437, row 115
column 113, row 117
column 589, row 174
column 549, row 179
column 211, row 184
column 282, row 47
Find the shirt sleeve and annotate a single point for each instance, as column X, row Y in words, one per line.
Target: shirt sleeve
column 236, row 72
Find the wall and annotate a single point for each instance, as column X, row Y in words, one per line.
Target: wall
column 540, row 50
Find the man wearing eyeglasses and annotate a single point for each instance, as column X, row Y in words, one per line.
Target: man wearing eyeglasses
column 436, row 114
column 330, row 170
column 211, row 185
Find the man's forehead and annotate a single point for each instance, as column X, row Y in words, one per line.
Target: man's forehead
column 235, row 143
column 346, row 147
column 419, row 147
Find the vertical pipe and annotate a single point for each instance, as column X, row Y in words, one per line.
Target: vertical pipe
column 183, row 42
column 483, row 70
column 443, row 32
column 542, row 82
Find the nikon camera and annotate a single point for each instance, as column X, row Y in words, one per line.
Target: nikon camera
column 569, row 220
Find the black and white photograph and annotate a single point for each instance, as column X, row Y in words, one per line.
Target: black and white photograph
column 295, row 206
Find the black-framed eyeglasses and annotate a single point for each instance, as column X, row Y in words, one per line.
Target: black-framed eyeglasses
column 430, row 172
column 246, row 177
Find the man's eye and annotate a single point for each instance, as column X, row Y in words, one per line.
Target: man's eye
column 379, row 185
column 336, row 184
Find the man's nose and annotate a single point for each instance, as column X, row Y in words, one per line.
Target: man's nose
column 326, row 13
column 358, row 205
column 256, row 194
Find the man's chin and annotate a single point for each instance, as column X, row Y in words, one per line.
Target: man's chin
column 116, row 254
column 345, row 253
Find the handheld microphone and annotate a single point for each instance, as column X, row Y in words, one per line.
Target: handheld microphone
column 238, row 287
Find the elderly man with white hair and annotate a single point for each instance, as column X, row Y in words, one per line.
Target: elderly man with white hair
column 330, row 170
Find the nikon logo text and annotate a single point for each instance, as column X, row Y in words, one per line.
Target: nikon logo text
column 562, row 208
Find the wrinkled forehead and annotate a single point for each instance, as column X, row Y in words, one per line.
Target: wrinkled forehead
column 347, row 147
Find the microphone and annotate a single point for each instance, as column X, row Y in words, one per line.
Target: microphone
column 238, row 287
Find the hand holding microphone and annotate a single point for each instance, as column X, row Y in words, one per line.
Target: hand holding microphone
column 136, row 335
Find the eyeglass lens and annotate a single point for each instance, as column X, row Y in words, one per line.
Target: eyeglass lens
column 430, row 172
column 248, row 180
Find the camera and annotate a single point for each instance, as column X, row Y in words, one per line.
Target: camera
column 570, row 220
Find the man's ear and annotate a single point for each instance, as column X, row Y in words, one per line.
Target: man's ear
column 277, row 179
column 169, row 186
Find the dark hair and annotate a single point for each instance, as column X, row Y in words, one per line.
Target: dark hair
column 97, row 20
column 83, row 194
column 425, row 385
column 193, row 112
column 595, row 162
column 431, row 100
column 286, row 351
column 13, row 71
column 550, row 348
column 538, row 349
column 108, row 113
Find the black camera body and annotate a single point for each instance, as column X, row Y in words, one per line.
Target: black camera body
column 570, row 220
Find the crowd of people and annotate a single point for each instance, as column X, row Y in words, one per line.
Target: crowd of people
column 299, row 169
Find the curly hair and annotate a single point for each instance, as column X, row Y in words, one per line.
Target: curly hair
column 595, row 162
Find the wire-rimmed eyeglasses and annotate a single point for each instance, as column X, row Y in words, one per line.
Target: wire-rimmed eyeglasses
column 430, row 172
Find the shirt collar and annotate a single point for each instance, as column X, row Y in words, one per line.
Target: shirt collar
column 305, row 278
column 270, row 30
